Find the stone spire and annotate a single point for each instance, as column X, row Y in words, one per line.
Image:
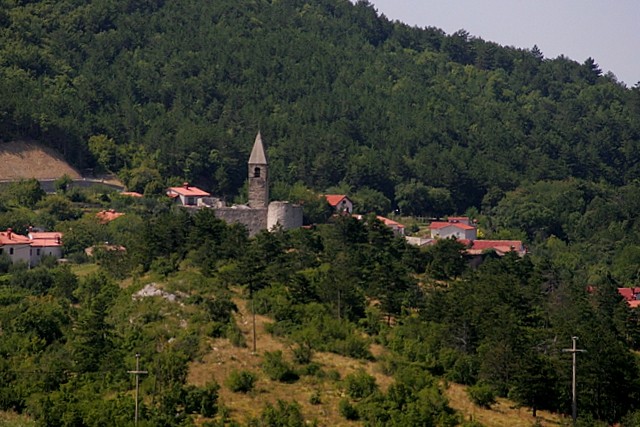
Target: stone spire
column 258, row 175
column 258, row 156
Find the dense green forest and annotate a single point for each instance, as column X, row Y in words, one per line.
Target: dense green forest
column 400, row 118
column 164, row 92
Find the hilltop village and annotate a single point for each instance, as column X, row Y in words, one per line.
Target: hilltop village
column 261, row 214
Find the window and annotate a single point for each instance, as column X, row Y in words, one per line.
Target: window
column 10, row 251
column 38, row 251
column 256, row 173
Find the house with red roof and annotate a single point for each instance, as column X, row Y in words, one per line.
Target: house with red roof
column 340, row 202
column 188, row 195
column 45, row 244
column 465, row 231
column 631, row 296
column 32, row 248
column 500, row 247
column 16, row 246
column 446, row 229
column 396, row 227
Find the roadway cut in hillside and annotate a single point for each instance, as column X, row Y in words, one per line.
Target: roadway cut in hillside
column 24, row 160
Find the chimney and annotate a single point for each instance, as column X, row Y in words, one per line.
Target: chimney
column 9, row 232
column 186, row 185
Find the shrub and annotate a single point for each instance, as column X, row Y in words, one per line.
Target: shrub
column 302, row 354
column 482, row 395
column 203, row 401
column 314, row 399
column 277, row 368
column 234, row 334
column 241, row 381
column 353, row 346
column 460, row 368
column 311, row 369
column 347, row 410
column 333, row 375
column 284, row 414
column 360, row 384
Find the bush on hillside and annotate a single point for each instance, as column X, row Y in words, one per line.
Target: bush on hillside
column 482, row 395
column 277, row 368
column 360, row 384
column 241, row 381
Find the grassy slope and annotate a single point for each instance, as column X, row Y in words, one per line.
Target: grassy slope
column 21, row 160
column 224, row 357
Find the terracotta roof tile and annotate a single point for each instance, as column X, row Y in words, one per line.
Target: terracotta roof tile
column 334, row 199
column 107, row 216
column 188, row 191
column 10, row 238
column 437, row 225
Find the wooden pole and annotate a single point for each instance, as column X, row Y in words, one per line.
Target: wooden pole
column 574, row 401
column 137, row 373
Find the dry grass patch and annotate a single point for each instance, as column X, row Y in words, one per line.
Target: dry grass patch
column 11, row 419
column 503, row 414
column 223, row 358
column 23, row 160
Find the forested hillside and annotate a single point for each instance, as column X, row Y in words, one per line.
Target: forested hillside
column 171, row 91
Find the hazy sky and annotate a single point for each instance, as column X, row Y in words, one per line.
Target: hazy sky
column 606, row 30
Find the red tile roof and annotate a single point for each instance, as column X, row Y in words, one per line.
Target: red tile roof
column 107, row 216
column 458, row 219
column 131, row 193
column 10, row 238
column 334, row 199
column 389, row 222
column 45, row 239
column 188, row 191
column 627, row 293
column 502, row 245
column 437, row 225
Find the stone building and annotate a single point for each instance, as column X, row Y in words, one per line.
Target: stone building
column 258, row 214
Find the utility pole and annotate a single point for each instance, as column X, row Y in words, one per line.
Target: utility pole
column 574, row 403
column 137, row 373
column 253, row 320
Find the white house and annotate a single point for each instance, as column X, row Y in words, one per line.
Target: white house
column 30, row 249
column 188, row 194
column 16, row 246
column 45, row 244
column 459, row 230
column 340, row 202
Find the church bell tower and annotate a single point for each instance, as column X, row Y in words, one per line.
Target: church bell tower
column 258, row 176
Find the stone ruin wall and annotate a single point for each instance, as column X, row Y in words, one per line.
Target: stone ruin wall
column 286, row 214
column 254, row 219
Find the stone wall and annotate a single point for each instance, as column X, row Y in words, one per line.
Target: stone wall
column 254, row 219
column 285, row 214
